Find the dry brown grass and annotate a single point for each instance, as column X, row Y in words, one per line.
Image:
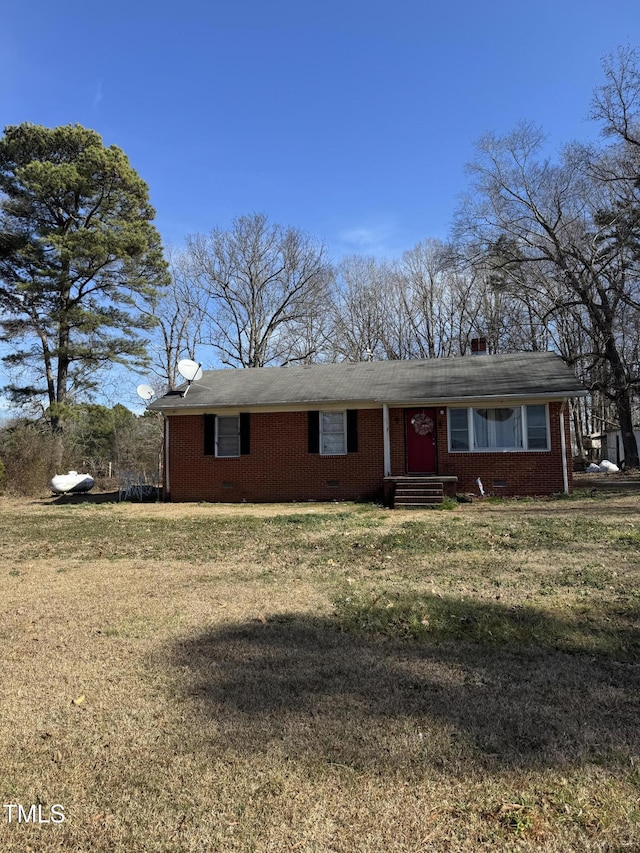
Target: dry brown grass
column 321, row 677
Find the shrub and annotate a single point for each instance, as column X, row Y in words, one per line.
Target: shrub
column 28, row 452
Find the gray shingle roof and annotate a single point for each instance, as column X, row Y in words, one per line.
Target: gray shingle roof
column 541, row 375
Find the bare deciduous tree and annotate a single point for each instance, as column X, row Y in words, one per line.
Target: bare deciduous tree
column 261, row 283
column 567, row 228
column 361, row 309
column 440, row 301
column 616, row 103
column 179, row 311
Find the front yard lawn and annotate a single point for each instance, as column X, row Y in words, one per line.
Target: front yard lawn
column 320, row 677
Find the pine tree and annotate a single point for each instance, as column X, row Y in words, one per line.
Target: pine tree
column 79, row 257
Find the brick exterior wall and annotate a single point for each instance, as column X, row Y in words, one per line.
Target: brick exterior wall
column 511, row 474
column 280, row 468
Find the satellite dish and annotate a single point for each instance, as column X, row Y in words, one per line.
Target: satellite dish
column 189, row 370
column 145, row 391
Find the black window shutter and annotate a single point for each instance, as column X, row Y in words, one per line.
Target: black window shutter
column 352, row 430
column 314, row 432
column 245, row 433
column 209, row 435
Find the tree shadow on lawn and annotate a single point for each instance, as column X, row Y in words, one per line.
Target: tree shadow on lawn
column 322, row 689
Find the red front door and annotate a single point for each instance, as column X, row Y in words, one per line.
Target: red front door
column 420, row 429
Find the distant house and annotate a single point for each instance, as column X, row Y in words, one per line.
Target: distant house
column 402, row 431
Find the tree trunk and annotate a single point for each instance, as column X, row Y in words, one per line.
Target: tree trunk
column 624, row 408
column 58, row 449
column 629, row 443
column 577, row 429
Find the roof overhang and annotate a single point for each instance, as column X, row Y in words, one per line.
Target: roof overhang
column 339, row 405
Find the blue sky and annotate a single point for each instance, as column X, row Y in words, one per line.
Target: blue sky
column 351, row 120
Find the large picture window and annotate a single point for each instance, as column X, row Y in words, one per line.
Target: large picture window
column 505, row 428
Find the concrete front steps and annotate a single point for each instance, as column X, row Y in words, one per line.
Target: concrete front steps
column 418, row 491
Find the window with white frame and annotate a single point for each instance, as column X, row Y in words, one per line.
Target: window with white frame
column 501, row 428
column 333, row 433
column 228, row 435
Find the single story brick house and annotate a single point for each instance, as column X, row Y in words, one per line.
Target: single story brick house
column 402, row 431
